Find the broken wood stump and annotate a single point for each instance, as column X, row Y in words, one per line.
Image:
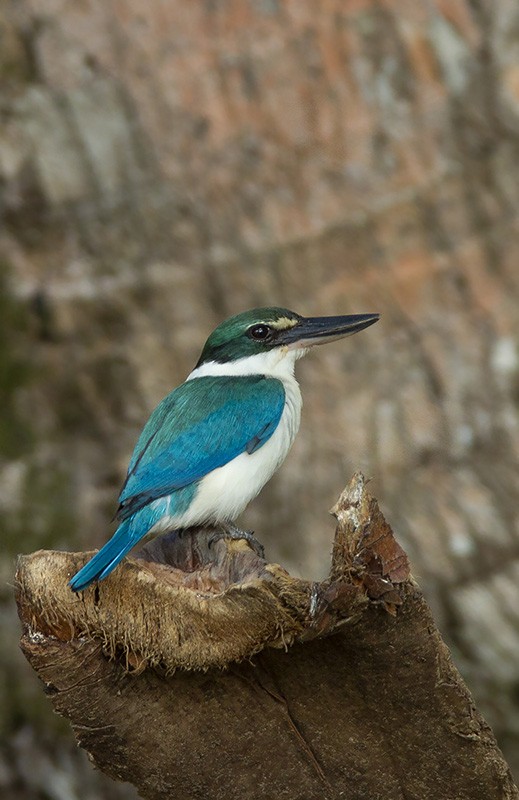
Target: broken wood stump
column 200, row 671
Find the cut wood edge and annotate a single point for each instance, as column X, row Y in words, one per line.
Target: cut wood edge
column 184, row 603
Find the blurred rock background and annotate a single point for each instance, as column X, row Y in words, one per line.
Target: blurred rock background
column 166, row 164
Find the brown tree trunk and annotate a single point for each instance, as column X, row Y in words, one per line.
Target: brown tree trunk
column 163, row 165
column 338, row 689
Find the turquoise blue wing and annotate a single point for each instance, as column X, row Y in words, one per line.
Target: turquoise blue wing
column 201, row 425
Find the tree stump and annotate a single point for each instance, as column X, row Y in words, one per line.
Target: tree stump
column 201, row 671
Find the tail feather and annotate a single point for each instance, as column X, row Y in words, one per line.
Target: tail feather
column 107, row 558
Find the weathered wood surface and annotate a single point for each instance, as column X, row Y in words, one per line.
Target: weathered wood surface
column 339, row 689
column 163, row 165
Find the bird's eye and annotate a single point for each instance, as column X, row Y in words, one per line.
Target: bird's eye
column 261, row 333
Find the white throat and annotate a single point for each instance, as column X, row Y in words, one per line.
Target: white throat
column 223, row 493
column 278, row 363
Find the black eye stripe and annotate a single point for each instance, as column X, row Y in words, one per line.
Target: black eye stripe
column 260, row 333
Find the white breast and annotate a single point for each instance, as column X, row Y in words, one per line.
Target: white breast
column 225, row 492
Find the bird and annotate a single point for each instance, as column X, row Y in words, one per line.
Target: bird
column 211, row 445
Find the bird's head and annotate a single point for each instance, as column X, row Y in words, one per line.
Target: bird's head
column 264, row 336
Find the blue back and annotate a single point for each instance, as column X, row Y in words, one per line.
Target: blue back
column 201, row 425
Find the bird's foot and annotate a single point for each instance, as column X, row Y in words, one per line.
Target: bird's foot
column 232, row 532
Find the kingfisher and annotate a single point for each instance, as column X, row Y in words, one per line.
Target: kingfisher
column 211, row 445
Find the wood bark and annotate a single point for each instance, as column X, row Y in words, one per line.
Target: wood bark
column 201, row 671
column 163, row 165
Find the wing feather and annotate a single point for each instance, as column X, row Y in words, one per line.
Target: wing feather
column 201, row 425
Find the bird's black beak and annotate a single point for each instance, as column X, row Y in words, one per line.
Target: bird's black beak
column 319, row 330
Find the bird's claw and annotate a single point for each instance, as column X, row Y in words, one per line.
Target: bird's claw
column 231, row 532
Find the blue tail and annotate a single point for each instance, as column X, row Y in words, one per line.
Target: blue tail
column 108, row 557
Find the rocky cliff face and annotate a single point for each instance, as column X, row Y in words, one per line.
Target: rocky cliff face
column 162, row 167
